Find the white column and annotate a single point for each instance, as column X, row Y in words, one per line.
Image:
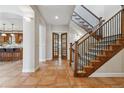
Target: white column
column 42, row 43
column 29, row 51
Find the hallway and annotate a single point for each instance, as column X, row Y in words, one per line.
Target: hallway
column 52, row 74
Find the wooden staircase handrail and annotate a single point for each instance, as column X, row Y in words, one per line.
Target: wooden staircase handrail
column 89, row 32
column 81, row 38
column 100, row 26
column 83, row 53
column 90, row 12
column 83, row 19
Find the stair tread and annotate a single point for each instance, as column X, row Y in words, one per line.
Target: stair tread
column 86, row 25
column 103, row 40
column 102, row 55
column 88, row 66
column 98, row 49
column 92, row 53
column 81, row 71
column 95, row 61
column 120, row 38
column 86, row 57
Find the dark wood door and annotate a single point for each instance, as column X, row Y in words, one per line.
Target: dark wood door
column 55, row 45
column 64, row 45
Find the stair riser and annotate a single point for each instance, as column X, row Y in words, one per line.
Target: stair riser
column 113, row 47
column 101, row 58
column 120, row 42
column 95, row 63
column 88, row 69
column 96, row 66
column 107, row 52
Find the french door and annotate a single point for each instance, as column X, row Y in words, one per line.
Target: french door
column 55, row 45
column 64, row 45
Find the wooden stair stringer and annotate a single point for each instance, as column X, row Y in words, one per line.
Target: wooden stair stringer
column 103, row 61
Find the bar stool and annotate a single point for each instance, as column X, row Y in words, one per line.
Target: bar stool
column 17, row 54
column 2, row 51
column 9, row 53
column 14, row 54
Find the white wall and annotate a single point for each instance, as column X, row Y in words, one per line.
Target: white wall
column 75, row 32
column 110, row 10
column 42, row 43
column 114, row 67
column 98, row 10
column 28, row 46
column 50, row 29
column 38, row 19
column 105, row 11
column 31, row 42
column 40, row 36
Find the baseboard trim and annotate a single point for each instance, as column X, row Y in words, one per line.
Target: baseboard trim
column 48, row 59
column 107, row 75
column 31, row 70
column 37, row 68
column 42, row 60
column 28, row 70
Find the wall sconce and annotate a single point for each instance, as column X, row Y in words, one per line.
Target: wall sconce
column 12, row 30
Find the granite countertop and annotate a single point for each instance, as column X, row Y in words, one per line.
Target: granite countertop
column 11, row 46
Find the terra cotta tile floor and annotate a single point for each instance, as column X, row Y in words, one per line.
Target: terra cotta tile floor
column 52, row 74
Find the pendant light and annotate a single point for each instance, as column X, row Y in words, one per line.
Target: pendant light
column 12, row 30
column 3, row 34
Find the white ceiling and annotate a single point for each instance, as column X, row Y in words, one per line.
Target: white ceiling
column 22, row 10
column 9, row 19
column 64, row 12
column 13, row 14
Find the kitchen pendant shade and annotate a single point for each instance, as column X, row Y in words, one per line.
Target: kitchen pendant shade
column 3, row 34
column 12, row 34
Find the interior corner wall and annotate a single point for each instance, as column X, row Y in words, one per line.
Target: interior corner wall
column 38, row 20
column 48, row 43
column 42, row 43
column 50, row 30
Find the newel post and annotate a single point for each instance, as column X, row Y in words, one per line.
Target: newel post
column 70, row 54
column 76, row 59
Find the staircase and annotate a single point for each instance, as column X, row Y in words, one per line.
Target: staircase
column 79, row 18
column 89, row 53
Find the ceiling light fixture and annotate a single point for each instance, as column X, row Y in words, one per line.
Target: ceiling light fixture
column 56, row 17
column 12, row 30
column 3, row 34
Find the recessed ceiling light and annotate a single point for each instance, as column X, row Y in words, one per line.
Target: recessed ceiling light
column 56, row 17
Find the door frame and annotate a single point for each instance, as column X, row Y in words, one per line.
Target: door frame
column 66, row 46
column 53, row 57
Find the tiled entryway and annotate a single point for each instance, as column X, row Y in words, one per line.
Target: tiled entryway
column 52, row 74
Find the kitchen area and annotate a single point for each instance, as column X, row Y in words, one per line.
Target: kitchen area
column 11, row 39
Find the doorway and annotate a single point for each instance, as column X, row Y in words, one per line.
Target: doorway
column 59, row 42
column 55, row 43
column 64, row 45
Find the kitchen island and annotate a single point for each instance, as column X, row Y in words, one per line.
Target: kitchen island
column 11, row 53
